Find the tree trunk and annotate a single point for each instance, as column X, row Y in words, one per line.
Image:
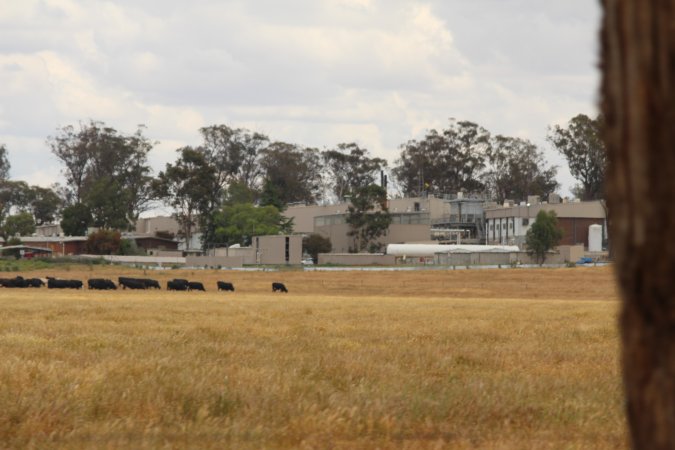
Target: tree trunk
column 638, row 101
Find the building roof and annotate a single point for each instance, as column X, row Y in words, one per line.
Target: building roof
column 27, row 247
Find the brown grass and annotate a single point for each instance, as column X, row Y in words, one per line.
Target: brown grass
column 463, row 359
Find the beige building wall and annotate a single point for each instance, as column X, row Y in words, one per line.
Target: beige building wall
column 396, row 234
column 303, row 216
column 151, row 225
column 282, row 249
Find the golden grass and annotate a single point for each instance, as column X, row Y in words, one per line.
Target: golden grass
column 465, row 359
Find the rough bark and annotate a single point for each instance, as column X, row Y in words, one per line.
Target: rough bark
column 638, row 101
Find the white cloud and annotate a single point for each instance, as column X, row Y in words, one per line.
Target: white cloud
column 310, row 72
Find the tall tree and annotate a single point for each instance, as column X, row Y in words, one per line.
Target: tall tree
column 4, row 163
column 445, row 162
column 582, row 146
column 96, row 156
column 186, row 186
column 350, row 168
column 234, row 155
column 293, row 172
column 517, row 169
column 368, row 218
column 638, row 104
column 44, row 204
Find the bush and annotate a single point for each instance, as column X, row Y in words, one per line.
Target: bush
column 104, row 242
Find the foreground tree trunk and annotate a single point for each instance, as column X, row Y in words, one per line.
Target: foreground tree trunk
column 638, row 101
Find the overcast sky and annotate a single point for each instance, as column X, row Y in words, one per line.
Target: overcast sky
column 310, row 72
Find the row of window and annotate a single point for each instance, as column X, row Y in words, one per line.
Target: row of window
column 525, row 222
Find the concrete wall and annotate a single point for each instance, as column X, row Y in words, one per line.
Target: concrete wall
column 247, row 254
column 214, row 261
column 471, row 259
column 357, row 259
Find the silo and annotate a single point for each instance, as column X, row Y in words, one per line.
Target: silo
column 595, row 238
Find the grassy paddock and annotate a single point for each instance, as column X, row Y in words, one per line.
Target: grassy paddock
column 466, row 359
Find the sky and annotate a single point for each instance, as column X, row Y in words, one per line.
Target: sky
column 310, row 72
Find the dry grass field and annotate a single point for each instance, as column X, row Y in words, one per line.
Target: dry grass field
column 506, row 359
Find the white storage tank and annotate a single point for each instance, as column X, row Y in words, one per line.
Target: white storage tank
column 595, row 238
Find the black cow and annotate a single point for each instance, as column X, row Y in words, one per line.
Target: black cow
column 35, row 282
column 150, row 283
column 279, row 287
column 101, row 284
column 225, row 286
column 16, row 282
column 177, row 285
column 195, row 286
column 53, row 283
column 131, row 283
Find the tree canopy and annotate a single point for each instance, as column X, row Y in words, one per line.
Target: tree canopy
column 517, row 169
column 238, row 223
column 444, row 162
column 543, row 235
column 368, row 218
column 582, row 146
column 101, row 164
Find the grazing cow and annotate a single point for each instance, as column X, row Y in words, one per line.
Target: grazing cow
column 16, row 282
column 35, row 282
column 177, row 285
column 279, row 287
column 225, row 286
column 150, row 283
column 53, row 283
column 101, row 284
column 195, row 286
column 131, row 283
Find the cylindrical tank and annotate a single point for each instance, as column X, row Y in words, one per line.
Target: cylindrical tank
column 432, row 249
column 595, row 238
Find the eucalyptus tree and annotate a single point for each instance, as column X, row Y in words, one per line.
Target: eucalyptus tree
column 100, row 165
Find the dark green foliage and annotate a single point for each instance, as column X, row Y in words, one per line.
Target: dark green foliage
column 104, row 242
column 445, row 162
column 350, row 168
column 187, row 186
column 517, row 169
column 101, row 165
column 21, row 224
column 315, row 244
column 4, row 163
column 543, row 235
column 581, row 144
column 368, row 218
column 237, row 224
column 129, row 247
column 76, row 220
column 291, row 174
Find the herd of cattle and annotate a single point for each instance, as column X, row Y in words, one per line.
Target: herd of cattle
column 177, row 284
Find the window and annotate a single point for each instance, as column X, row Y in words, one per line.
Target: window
column 526, row 221
column 511, row 225
column 417, row 206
